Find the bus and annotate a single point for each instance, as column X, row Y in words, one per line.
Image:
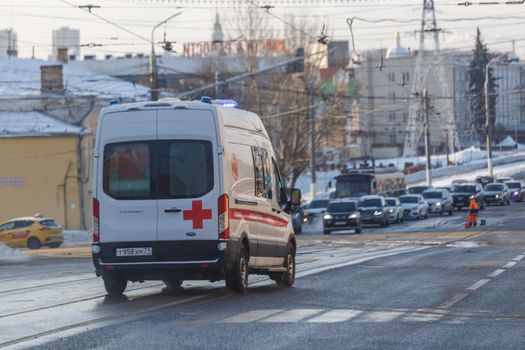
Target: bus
column 358, row 183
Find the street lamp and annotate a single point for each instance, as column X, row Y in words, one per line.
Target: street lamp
column 153, row 82
column 487, row 115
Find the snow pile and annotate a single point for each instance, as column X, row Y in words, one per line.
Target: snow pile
column 9, row 255
column 72, row 237
column 507, row 142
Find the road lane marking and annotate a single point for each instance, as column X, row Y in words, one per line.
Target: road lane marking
column 510, row 264
column 519, row 257
column 333, row 316
column 380, row 316
column 496, row 273
column 478, row 284
column 251, row 316
column 426, row 315
column 455, row 299
column 294, row 315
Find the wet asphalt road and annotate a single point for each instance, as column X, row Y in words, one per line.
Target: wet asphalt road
column 424, row 284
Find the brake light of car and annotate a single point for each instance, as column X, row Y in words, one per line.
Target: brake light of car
column 224, row 217
column 43, row 228
column 96, row 221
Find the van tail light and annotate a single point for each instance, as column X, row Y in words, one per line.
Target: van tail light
column 224, row 217
column 96, row 221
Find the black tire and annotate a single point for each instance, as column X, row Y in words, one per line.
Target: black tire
column 55, row 245
column 418, row 217
column 299, row 230
column 326, row 232
column 426, row 215
column 173, row 283
column 359, row 229
column 237, row 279
column 450, row 212
column 114, row 283
column 287, row 279
column 33, row 243
column 442, row 212
column 398, row 219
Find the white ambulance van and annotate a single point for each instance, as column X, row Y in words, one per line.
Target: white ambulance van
column 188, row 191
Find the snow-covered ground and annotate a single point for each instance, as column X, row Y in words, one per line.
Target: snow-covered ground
column 10, row 255
column 72, row 238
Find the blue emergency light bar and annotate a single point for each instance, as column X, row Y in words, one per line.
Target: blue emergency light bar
column 226, row 103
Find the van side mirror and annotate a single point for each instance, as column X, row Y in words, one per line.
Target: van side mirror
column 295, row 199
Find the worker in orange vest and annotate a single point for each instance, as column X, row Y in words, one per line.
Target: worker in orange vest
column 473, row 212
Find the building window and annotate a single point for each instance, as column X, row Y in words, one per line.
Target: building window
column 393, row 96
column 406, row 77
column 392, row 117
column 392, row 138
column 392, row 77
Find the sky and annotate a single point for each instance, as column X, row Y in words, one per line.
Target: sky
column 375, row 24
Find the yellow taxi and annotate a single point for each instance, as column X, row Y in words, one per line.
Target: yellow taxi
column 32, row 232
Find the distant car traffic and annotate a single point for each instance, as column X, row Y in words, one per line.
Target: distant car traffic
column 342, row 214
column 315, row 208
column 395, row 210
column 517, row 190
column 439, row 201
column 462, row 194
column 459, row 182
column 31, row 232
column 418, row 189
column 485, row 180
column 504, row 179
column 496, row 193
column 297, row 221
column 414, row 206
column 374, row 210
column 450, row 189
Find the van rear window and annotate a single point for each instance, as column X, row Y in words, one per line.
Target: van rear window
column 186, row 169
column 127, row 170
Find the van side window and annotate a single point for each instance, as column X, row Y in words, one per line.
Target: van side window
column 279, row 184
column 126, row 171
column 263, row 177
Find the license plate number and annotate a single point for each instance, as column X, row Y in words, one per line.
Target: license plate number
column 145, row 251
column 340, row 223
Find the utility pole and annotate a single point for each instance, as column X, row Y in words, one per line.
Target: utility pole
column 311, row 98
column 153, row 79
column 487, row 121
column 426, row 107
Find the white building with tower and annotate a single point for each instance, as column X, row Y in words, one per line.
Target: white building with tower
column 66, row 38
column 8, row 42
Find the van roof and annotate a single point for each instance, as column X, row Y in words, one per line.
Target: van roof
column 231, row 117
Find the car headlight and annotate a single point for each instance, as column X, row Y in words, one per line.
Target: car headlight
column 377, row 213
column 516, row 193
column 391, row 210
column 328, row 217
column 438, row 204
column 497, row 196
column 352, row 216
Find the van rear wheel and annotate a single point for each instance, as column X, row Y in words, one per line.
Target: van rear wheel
column 287, row 279
column 237, row 279
column 114, row 283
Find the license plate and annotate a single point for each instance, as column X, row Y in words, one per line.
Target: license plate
column 146, row 251
column 340, row 223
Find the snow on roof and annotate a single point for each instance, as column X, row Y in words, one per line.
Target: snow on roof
column 13, row 124
column 21, row 77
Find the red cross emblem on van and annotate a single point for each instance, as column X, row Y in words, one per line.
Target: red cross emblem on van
column 197, row 214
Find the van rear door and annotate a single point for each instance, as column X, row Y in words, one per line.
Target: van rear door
column 189, row 182
column 126, row 177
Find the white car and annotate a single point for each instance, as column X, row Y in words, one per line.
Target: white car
column 185, row 191
column 414, row 206
column 395, row 209
column 315, row 209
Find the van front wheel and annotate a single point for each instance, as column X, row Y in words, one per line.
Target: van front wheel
column 114, row 283
column 237, row 279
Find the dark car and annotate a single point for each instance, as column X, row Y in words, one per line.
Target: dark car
column 418, row 189
column 497, row 193
column 517, row 190
column 297, row 221
column 485, row 180
column 342, row 214
column 463, row 192
column 374, row 210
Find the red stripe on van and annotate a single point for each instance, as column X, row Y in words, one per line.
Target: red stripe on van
column 256, row 216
